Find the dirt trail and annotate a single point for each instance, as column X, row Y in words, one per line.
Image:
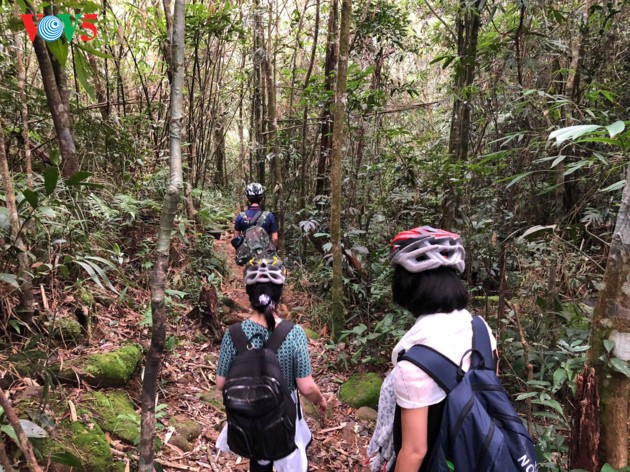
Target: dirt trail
column 339, row 441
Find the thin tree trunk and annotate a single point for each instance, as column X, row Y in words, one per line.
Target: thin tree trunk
column 258, row 100
column 468, row 24
column 307, row 79
column 21, row 70
column 4, row 460
column 58, row 110
column 327, row 120
column 338, row 142
column 612, row 323
column 169, row 209
column 26, row 300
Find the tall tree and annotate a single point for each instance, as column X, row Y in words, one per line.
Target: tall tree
column 468, row 23
column 338, row 142
column 26, row 303
column 53, row 78
column 21, row 70
column 169, row 209
column 327, row 119
column 611, row 327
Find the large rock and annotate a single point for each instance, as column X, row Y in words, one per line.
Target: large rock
column 111, row 369
column 114, row 413
column 77, row 442
column 361, row 390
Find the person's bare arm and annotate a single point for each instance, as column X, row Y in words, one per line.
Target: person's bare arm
column 414, row 439
column 274, row 238
column 220, row 381
column 309, row 389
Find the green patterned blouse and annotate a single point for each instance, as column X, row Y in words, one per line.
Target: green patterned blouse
column 295, row 362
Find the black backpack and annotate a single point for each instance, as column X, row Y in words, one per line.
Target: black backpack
column 261, row 415
column 479, row 428
column 256, row 241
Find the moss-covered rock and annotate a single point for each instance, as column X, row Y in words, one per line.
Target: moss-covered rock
column 83, row 441
column 186, row 427
column 67, row 330
column 214, row 398
column 111, row 369
column 310, row 334
column 361, row 390
column 181, row 443
column 366, row 413
column 114, row 413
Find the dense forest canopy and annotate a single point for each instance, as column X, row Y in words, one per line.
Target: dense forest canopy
column 504, row 121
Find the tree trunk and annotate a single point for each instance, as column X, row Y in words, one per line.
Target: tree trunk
column 468, row 23
column 169, row 209
column 302, row 197
column 258, row 102
column 327, row 120
column 26, row 301
column 611, row 322
column 58, row 110
column 338, row 142
column 21, row 70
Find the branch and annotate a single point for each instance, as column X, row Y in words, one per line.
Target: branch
column 450, row 31
column 25, row 444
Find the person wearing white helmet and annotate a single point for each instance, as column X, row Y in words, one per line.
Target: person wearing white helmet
column 426, row 263
column 264, row 279
column 255, row 194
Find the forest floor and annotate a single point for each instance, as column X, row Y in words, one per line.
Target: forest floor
column 187, row 388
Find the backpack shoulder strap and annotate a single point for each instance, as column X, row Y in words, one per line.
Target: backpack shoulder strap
column 439, row 367
column 481, row 342
column 252, row 222
column 263, row 217
column 239, row 338
column 279, row 334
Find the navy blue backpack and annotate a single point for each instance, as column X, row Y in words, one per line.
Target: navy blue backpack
column 479, row 430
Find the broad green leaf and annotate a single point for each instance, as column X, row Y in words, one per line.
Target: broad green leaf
column 59, row 49
column 9, row 431
column 102, row 275
column 536, row 229
column 620, row 366
column 524, row 396
column 51, row 177
column 83, row 71
column 616, row 186
column 31, row 197
column 616, row 128
column 571, row 132
column 608, row 468
column 90, row 270
column 66, row 458
column 559, row 376
column 78, row 177
column 31, row 430
column 95, row 52
column 609, row 345
column 551, row 404
column 557, row 161
column 9, row 279
column 518, row 178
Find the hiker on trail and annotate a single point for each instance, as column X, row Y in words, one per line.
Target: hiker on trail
column 255, row 194
column 434, row 358
column 253, row 379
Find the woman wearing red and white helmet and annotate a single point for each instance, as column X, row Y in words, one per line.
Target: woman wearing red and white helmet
column 426, row 263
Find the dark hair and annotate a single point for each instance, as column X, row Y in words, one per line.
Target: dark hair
column 273, row 292
column 432, row 291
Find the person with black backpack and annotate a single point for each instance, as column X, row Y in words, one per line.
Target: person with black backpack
column 255, row 229
column 263, row 362
column 450, row 409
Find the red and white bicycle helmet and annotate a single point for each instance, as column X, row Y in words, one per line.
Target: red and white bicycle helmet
column 427, row 248
column 264, row 270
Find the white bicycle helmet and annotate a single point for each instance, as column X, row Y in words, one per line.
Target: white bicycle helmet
column 266, row 269
column 427, row 248
column 255, row 192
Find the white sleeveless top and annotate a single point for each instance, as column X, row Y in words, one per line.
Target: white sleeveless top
column 448, row 333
